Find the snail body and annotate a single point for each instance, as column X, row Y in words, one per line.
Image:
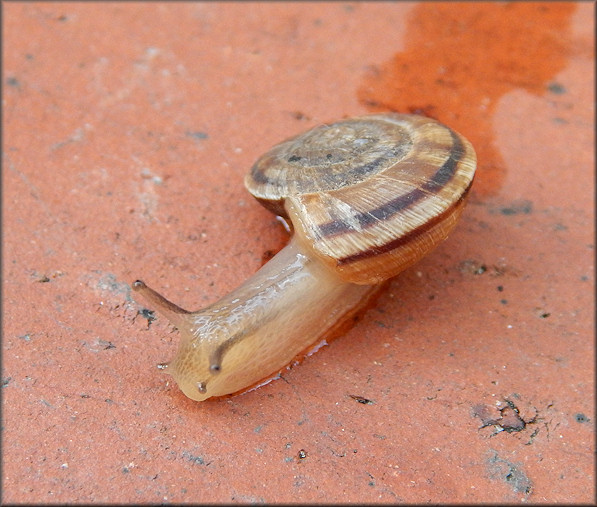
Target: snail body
column 367, row 198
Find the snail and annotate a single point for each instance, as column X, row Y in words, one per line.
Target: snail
column 367, row 198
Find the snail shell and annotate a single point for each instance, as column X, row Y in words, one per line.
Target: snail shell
column 370, row 195
column 367, row 198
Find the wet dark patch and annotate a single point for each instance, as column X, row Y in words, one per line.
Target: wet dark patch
column 403, row 84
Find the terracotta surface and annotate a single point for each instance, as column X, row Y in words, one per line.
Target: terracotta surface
column 128, row 129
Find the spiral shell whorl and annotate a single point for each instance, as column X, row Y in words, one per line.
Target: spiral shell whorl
column 328, row 157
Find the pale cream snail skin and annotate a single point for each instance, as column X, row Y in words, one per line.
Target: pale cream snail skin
column 367, row 198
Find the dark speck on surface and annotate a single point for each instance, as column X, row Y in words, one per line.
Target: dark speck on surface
column 581, row 418
column 13, row 81
column 196, row 134
column 556, row 88
column 523, row 207
column 510, row 473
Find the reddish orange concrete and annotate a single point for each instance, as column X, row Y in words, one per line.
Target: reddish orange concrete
column 128, row 128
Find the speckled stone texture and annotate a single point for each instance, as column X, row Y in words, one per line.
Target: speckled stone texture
column 127, row 131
